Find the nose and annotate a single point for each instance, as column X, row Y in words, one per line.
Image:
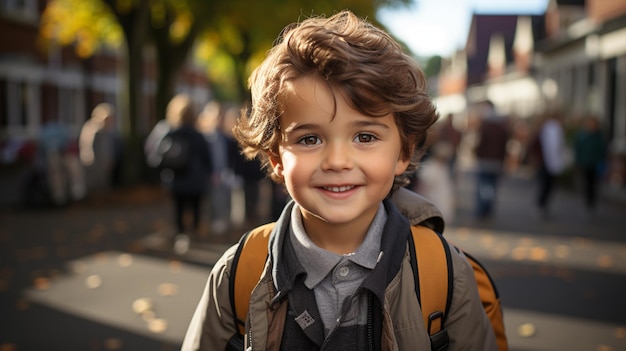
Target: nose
column 337, row 157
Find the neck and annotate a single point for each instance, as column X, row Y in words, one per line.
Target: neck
column 339, row 238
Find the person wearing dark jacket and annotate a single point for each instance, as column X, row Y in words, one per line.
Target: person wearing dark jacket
column 490, row 156
column 590, row 155
column 188, row 184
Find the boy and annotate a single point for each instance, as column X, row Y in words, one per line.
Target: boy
column 338, row 115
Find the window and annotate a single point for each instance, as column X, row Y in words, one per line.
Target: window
column 22, row 9
column 16, row 104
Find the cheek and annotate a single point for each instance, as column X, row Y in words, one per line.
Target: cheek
column 291, row 165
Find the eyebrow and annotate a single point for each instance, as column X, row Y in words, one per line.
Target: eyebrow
column 371, row 123
column 297, row 127
column 360, row 124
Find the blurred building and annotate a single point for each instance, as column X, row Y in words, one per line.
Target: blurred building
column 583, row 63
column 497, row 58
column 573, row 55
column 35, row 86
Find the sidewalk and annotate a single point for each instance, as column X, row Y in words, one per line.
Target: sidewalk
column 613, row 194
column 44, row 249
column 516, row 210
column 69, row 277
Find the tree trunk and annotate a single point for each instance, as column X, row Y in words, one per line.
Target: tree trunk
column 165, row 85
column 134, row 25
column 171, row 57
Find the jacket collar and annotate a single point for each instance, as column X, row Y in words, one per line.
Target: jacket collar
column 418, row 209
column 286, row 267
column 392, row 246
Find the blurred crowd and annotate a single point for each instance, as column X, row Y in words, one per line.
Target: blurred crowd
column 66, row 169
column 214, row 175
column 216, row 180
column 484, row 144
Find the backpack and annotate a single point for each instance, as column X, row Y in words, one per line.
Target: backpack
column 428, row 250
column 174, row 153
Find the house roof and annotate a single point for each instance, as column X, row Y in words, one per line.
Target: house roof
column 482, row 29
column 571, row 2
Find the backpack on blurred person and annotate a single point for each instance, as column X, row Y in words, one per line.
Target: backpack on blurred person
column 430, row 252
column 174, row 152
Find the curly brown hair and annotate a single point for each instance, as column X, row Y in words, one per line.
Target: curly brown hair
column 353, row 56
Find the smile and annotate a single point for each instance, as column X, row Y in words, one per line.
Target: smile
column 339, row 189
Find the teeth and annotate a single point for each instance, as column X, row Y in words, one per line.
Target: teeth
column 338, row 189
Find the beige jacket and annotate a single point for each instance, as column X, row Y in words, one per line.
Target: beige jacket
column 403, row 328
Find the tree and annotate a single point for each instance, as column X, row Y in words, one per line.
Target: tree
column 173, row 32
column 231, row 36
column 235, row 43
column 128, row 22
column 433, row 66
column 74, row 22
column 90, row 25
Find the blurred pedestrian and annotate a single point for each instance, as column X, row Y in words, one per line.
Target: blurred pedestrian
column 590, row 158
column 251, row 174
column 100, row 148
column 451, row 135
column 56, row 175
column 490, row 152
column 210, row 124
column 550, row 148
column 187, row 182
column 436, row 180
column 75, row 170
column 109, row 139
column 160, row 130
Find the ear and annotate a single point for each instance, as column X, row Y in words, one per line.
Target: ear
column 401, row 166
column 276, row 164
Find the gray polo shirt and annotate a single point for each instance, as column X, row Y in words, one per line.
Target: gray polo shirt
column 335, row 278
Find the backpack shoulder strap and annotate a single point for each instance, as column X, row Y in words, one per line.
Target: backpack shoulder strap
column 430, row 260
column 246, row 269
column 432, row 267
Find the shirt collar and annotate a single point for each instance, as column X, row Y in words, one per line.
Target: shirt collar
column 319, row 262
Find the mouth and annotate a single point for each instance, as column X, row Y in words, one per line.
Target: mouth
column 339, row 189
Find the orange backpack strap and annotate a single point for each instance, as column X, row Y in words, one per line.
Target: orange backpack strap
column 246, row 270
column 431, row 263
column 432, row 266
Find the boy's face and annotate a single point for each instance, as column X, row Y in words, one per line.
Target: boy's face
column 338, row 169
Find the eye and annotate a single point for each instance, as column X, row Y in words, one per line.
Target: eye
column 309, row 140
column 365, row 138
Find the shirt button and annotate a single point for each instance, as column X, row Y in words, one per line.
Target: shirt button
column 343, row 271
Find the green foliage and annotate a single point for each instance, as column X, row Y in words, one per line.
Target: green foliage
column 86, row 24
column 177, row 16
column 246, row 29
column 231, row 37
column 433, row 66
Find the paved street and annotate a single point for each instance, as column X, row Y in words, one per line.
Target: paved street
column 561, row 279
column 100, row 275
